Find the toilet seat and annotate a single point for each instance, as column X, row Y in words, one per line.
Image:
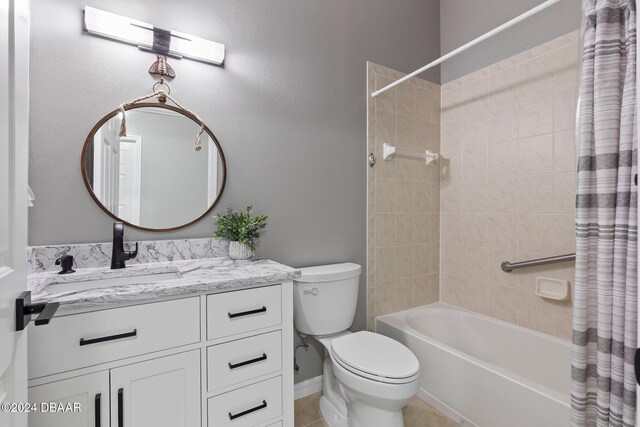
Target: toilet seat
column 375, row 357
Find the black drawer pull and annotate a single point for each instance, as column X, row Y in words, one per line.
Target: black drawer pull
column 120, row 407
column 109, row 338
column 247, row 313
column 248, row 362
column 97, row 409
column 248, row 411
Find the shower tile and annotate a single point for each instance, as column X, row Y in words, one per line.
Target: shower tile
column 502, row 159
column 503, row 87
column 501, row 232
column 404, row 293
column 474, row 263
column 474, row 164
column 385, row 230
column 433, row 261
column 421, row 290
column 535, row 194
column 451, row 198
column 424, row 230
column 385, row 297
column 564, row 109
column 405, row 169
column 564, row 151
column 427, row 136
column 535, row 155
column 564, row 193
column 451, row 259
column 405, row 196
column 423, row 107
column 451, row 138
column 535, row 313
column 451, row 292
column 385, row 265
column 384, row 169
column 405, row 228
column 535, row 77
column 564, row 234
column 565, row 67
column 386, row 124
column 405, row 132
column 475, row 296
column 474, row 130
column 422, row 256
column 405, row 261
column 474, row 196
column 502, row 122
column 496, row 276
column 451, row 229
column 406, row 101
column 563, row 320
column 424, row 197
column 385, row 196
column 387, row 100
column 451, row 169
column 535, row 115
column 475, row 96
column 474, row 230
column 503, row 303
column 452, row 104
column 502, row 195
column 535, row 233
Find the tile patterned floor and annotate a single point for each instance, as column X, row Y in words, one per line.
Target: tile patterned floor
column 416, row 414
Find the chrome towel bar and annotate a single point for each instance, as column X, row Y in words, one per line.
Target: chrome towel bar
column 508, row 267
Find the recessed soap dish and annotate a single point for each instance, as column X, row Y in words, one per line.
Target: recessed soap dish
column 555, row 289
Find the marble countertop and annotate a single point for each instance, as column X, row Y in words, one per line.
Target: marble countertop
column 206, row 275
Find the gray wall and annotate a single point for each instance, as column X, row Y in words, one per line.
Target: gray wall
column 464, row 20
column 289, row 109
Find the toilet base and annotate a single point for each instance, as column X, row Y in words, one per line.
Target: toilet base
column 361, row 415
column 332, row 417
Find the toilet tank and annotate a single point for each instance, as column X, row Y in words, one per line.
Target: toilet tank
column 325, row 298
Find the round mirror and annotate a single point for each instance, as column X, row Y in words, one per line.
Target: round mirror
column 153, row 179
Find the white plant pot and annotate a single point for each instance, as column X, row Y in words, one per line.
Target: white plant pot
column 239, row 250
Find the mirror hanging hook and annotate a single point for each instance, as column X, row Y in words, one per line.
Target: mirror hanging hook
column 162, row 97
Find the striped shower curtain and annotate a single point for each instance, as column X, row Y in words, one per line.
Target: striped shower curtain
column 605, row 295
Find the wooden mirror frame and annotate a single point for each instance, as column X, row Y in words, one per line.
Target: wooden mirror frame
column 106, row 118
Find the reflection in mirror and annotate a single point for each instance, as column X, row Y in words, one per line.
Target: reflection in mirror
column 153, row 178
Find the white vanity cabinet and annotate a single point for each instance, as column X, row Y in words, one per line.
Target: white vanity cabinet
column 198, row 361
column 91, row 391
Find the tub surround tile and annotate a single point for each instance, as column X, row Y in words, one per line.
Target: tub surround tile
column 507, row 187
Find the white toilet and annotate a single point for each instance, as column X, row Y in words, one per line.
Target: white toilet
column 367, row 378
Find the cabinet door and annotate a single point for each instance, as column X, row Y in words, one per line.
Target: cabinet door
column 163, row 392
column 91, row 392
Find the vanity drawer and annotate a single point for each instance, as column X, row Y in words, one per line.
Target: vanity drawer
column 80, row 340
column 241, row 360
column 235, row 312
column 247, row 406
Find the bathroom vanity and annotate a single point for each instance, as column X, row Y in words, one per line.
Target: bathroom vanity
column 210, row 346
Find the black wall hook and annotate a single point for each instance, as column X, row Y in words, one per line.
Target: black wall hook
column 24, row 310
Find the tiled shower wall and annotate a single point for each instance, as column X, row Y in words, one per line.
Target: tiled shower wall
column 508, row 184
column 404, row 218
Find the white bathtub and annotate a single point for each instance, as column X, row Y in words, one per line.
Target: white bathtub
column 483, row 371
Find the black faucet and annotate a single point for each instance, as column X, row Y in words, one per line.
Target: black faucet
column 119, row 255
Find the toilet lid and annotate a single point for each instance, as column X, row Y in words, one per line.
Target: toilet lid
column 375, row 354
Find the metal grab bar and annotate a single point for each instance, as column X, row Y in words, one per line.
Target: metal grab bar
column 508, row 267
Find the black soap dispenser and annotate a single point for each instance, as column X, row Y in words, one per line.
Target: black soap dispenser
column 66, row 263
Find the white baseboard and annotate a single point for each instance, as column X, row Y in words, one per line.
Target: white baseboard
column 308, row 387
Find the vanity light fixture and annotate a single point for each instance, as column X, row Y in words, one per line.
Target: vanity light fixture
column 149, row 38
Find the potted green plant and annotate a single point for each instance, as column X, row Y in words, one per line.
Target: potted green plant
column 243, row 229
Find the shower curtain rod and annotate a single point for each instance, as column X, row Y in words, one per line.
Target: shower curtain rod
column 472, row 43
